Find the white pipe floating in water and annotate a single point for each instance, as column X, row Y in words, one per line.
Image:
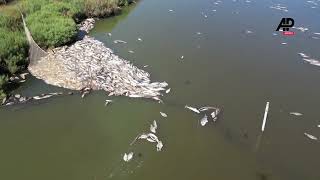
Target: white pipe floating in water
column 265, row 117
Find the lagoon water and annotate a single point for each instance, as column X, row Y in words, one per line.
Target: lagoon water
column 235, row 62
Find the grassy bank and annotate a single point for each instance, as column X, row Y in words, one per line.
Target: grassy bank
column 51, row 22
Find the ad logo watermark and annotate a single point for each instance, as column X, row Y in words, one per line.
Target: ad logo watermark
column 286, row 24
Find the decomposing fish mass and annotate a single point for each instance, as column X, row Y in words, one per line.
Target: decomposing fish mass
column 88, row 63
column 163, row 114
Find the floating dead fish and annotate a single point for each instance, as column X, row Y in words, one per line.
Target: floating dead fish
column 128, row 157
column 206, row 108
column 182, row 57
column 316, row 33
column 265, row 116
column 23, row 75
column 130, row 51
column 143, row 136
column 159, row 146
column 145, row 66
column 318, row 125
column 302, row 29
column 171, row 10
column 215, row 114
column 168, row 90
column 303, row 55
column 192, row 109
column 152, row 138
column 204, row 120
column 119, row 41
column 284, row 43
column 213, row 10
column 163, row 114
column 153, row 126
column 109, row 34
column 108, row 102
column 311, row 136
column 139, row 39
column 198, row 33
column 22, row 81
column 296, row 113
column 248, row 32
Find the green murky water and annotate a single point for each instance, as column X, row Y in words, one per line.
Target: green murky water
column 69, row 138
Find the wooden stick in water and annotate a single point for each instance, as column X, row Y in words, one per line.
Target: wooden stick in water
column 265, row 117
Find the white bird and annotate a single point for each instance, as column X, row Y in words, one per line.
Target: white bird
column 204, row 120
column 192, row 109
column 153, row 126
column 163, row 114
column 310, row 136
column 296, row 113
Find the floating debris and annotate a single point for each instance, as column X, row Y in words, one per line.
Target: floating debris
column 163, row 114
column 119, row 41
column 128, row 157
column 265, row 116
column 108, row 102
column 153, row 126
column 192, row 109
column 296, row 113
column 311, row 136
column 168, row 90
column 204, row 120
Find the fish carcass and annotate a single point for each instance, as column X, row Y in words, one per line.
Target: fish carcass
column 192, row 109
column 163, row 114
column 153, row 126
column 159, row 146
column 204, row 120
column 127, row 157
column 311, row 136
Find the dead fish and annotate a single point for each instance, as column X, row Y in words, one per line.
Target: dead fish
column 163, row 114
column 168, row 90
column 159, row 146
column 152, row 138
column 316, row 33
column 153, row 126
column 22, row 81
column 23, row 75
column 119, row 41
column 182, row 57
column 170, row 10
column 108, row 102
column 248, row 32
column 284, row 43
column 310, row 136
column 130, row 51
column 198, row 33
column 143, row 136
column 296, row 113
column 192, row 109
column 139, row 39
column 303, row 55
column 128, row 157
column 206, row 108
column 214, row 115
column 204, row 120
column 145, row 66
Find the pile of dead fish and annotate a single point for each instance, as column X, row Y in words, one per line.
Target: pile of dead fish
column 19, row 99
column 86, row 25
column 208, row 111
column 89, row 64
column 310, row 60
